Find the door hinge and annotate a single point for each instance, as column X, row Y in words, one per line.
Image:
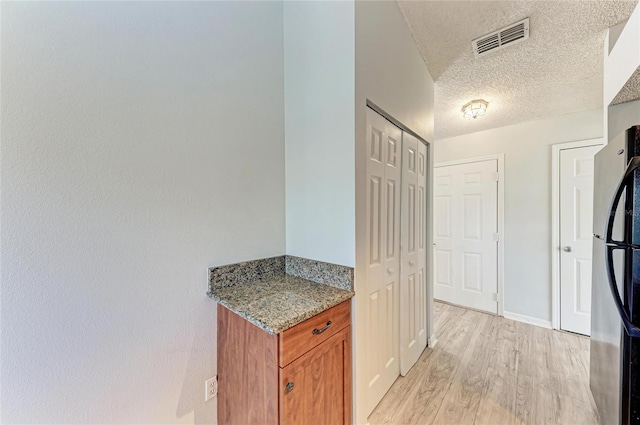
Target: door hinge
column 495, row 296
column 496, row 237
column 496, row 177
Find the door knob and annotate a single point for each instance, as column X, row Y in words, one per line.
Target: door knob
column 567, row 249
column 289, row 387
column 390, row 270
column 411, row 263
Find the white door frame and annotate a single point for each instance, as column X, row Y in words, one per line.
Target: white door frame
column 500, row 158
column 555, row 221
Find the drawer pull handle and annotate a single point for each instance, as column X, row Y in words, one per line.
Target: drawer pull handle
column 319, row 331
column 289, row 387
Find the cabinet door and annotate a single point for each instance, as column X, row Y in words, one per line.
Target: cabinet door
column 316, row 388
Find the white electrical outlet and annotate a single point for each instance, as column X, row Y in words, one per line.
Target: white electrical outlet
column 211, row 388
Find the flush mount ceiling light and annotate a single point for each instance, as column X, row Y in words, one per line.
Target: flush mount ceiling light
column 475, row 108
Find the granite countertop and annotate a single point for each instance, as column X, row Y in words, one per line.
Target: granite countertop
column 277, row 303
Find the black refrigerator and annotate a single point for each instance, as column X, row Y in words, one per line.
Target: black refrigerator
column 615, row 315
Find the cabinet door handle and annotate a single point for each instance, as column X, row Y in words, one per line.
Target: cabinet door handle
column 289, row 387
column 319, row 331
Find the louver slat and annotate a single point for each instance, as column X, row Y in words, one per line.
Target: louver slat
column 488, row 43
column 515, row 29
column 512, row 34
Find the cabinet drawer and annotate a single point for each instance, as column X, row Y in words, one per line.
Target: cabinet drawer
column 303, row 337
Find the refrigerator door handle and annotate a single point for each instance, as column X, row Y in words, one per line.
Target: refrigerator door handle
column 632, row 330
column 622, row 245
column 633, row 165
column 611, row 245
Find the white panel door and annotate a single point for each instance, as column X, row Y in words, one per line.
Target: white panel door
column 413, row 282
column 466, row 234
column 576, row 236
column 384, row 152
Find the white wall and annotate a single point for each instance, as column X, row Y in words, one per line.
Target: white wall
column 623, row 116
column 319, row 128
column 141, row 143
column 390, row 70
column 527, row 182
column 621, row 61
column 392, row 74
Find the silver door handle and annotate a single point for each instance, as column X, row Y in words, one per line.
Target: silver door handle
column 567, row 249
column 390, row 270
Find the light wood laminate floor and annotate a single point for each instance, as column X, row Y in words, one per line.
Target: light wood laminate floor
column 490, row 370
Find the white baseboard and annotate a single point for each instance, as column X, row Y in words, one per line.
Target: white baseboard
column 528, row 319
column 432, row 341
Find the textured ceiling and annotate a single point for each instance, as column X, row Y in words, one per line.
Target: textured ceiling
column 631, row 90
column 557, row 71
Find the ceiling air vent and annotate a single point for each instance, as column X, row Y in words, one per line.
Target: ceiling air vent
column 508, row 36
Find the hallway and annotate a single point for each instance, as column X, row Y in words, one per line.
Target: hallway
column 490, row 370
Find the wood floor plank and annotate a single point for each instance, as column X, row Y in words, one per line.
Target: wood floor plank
column 402, row 393
column 524, row 394
column 534, row 403
column 498, row 402
column 505, row 353
column 532, row 359
column 570, row 384
column 427, row 400
column 463, row 397
column 570, row 411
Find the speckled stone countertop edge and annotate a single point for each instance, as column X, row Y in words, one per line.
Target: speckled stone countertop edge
column 291, row 323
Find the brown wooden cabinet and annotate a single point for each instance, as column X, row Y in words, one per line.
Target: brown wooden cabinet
column 300, row 376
